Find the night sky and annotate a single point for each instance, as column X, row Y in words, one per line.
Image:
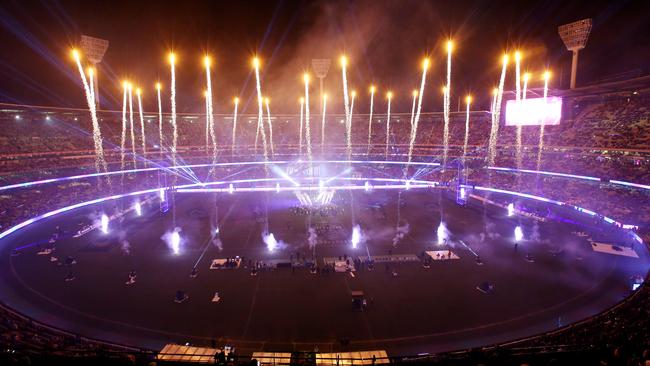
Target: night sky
column 384, row 40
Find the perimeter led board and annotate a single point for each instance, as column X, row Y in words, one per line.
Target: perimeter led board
column 534, row 112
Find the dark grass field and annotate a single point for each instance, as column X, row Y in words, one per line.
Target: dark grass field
column 419, row 310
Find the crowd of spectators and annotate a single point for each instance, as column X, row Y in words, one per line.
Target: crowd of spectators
column 605, row 136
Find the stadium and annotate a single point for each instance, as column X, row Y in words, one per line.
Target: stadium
column 506, row 228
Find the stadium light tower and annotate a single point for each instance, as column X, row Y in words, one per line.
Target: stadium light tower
column 93, row 50
column 321, row 66
column 574, row 35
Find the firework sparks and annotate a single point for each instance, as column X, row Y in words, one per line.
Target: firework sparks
column 547, row 77
column 260, row 111
column 307, row 128
column 496, row 108
column 268, row 119
column 234, row 124
column 518, row 100
column 348, row 126
column 160, row 119
column 100, row 163
column 125, row 86
column 416, row 119
column 372, row 102
column 207, row 61
column 415, row 100
column 322, row 126
column 138, row 93
column 446, row 109
column 302, row 106
column 525, row 87
column 468, row 101
column 389, row 97
column 172, row 63
column 131, row 125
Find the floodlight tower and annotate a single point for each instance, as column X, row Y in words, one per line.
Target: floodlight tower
column 574, row 35
column 321, row 66
column 93, row 50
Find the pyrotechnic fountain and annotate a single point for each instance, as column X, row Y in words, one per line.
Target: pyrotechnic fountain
column 518, row 100
column 305, row 78
column 442, row 234
column 447, row 96
column 511, row 209
column 125, row 86
column 416, row 119
column 322, row 126
column 547, row 77
column 138, row 208
column 496, row 113
column 415, row 96
column 348, row 126
column 210, row 111
column 389, row 97
column 138, row 92
column 234, row 125
column 172, row 62
column 160, row 119
column 260, row 111
column 372, row 102
column 468, row 101
column 207, row 121
column 344, row 76
column 526, row 77
column 302, row 106
column 268, row 119
column 100, row 163
column 132, row 125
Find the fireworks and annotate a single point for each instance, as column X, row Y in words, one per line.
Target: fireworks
column 322, row 125
column 234, row 124
column 260, row 111
column 348, row 127
column 100, row 163
column 302, row 106
column 268, row 119
column 160, row 133
column 305, row 78
column 511, row 209
column 415, row 97
column 446, row 110
column 131, row 124
column 138, row 92
column 138, row 208
column 344, row 76
column 525, row 87
column 518, row 100
column 468, row 101
column 547, row 77
column 125, row 86
column 172, row 63
column 496, row 108
column 209, row 110
column 389, row 96
column 372, row 101
column 416, row 119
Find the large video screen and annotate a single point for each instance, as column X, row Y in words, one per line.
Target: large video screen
column 534, row 112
